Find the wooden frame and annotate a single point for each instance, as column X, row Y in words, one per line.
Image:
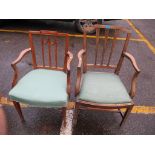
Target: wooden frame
column 83, row 66
column 67, row 60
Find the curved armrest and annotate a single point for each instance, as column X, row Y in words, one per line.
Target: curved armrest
column 80, row 57
column 133, row 61
column 13, row 64
column 69, row 60
column 21, row 55
column 137, row 71
column 79, row 71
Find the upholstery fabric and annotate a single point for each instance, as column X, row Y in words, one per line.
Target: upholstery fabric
column 103, row 88
column 43, row 88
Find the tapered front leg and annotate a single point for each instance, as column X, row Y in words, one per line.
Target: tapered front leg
column 18, row 108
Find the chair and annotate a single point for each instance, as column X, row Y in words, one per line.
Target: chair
column 96, row 90
column 48, row 84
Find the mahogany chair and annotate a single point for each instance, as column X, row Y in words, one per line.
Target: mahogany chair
column 96, row 90
column 48, row 84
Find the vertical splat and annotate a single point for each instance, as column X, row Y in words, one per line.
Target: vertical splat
column 105, row 45
column 43, row 55
column 33, row 50
column 56, row 51
column 97, row 44
column 113, row 45
column 49, row 51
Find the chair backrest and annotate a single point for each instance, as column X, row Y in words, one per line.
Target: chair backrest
column 106, row 38
column 45, row 52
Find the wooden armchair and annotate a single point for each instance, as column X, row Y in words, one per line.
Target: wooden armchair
column 48, row 84
column 104, row 90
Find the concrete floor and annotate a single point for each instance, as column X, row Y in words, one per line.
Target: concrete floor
column 48, row 121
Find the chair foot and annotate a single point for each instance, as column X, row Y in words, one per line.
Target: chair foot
column 126, row 115
column 18, row 108
column 64, row 110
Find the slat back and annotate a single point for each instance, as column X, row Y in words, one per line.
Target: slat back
column 47, row 42
column 107, row 38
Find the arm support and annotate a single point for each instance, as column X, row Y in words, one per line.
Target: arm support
column 79, row 71
column 13, row 64
column 69, row 60
column 137, row 71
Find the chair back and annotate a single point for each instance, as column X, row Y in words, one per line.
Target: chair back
column 49, row 49
column 106, row 47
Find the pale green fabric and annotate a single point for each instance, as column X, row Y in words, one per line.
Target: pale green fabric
column 104, row 88
column 41, row 87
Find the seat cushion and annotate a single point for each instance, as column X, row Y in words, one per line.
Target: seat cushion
column 42, row 87
column 104, row 88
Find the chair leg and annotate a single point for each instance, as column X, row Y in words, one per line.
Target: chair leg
column 64, row 110
column 119, row 110
column 76, row 112
column 126, row 115
column 18, row 108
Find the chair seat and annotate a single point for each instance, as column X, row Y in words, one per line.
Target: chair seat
column 43, row 88
column 103, row 88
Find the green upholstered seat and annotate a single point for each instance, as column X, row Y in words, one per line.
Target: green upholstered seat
column 43, row 88
column 103, row 88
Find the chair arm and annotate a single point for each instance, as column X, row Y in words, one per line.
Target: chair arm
column 137, row 71
column 69, row 60
column 80, row 57
column 21, row 55
column 133, row 61
column 79, row 71
column 13, row 64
